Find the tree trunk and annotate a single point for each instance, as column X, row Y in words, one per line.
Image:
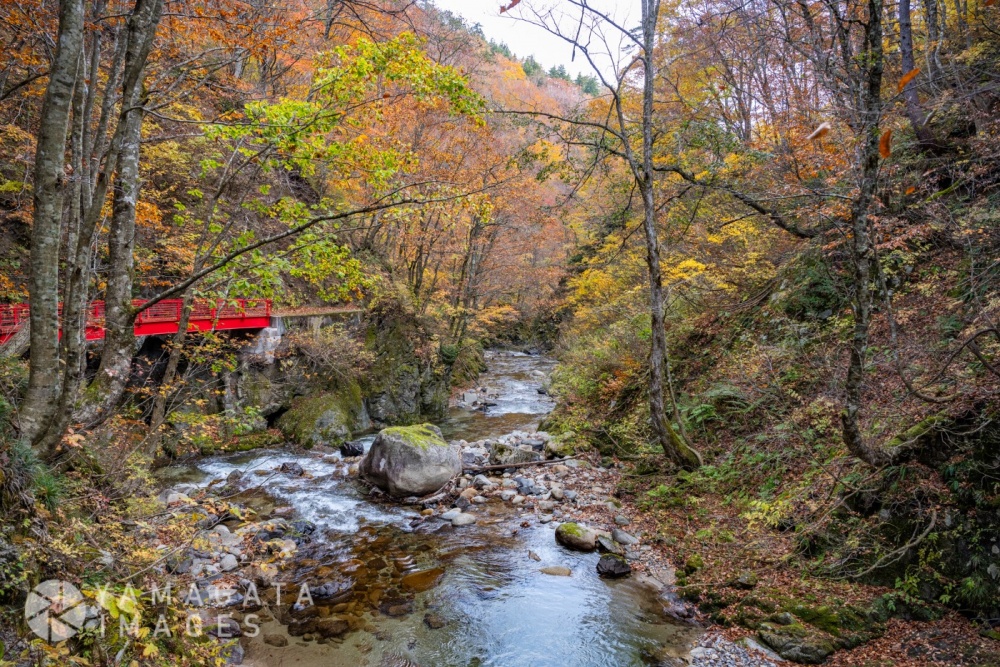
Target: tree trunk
column 869, row 104
column 119, row 343
column 933, row 41
column 169, row 375
column 673, row 446
column 913, row 110
column 49, row 195
column 122, row 159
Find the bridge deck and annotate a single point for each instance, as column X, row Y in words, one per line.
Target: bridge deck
column 160, row 319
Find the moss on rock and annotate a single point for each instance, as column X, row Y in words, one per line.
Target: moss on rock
column 325, row 419
column 423, row 436
column 575, row 536
column 693, row 563
column 261, row 440
column 797, row 643
column 561, row 446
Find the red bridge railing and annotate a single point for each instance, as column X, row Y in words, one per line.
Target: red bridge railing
column 161, row 318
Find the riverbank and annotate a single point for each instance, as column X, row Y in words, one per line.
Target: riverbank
column 750, row 582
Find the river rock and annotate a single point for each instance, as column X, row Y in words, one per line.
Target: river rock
column 463, row 519
column 222, row 626
column 354, row 448
column 560, row 446
column 746, row 580
column 535, row 443
column 328, row 590
column 796, row 643
column 228, row 563
column 179, row 564
column 434, row 621
column 613, row 566
column 608, row 545
column 574, row 536
column 278, row 641
column 411, row 460
column 450, row 514
column 557, row 571
column 505, row 454
column 325, row 419
column 174, row 498
column 621, row 537
column 422, row 580
column 507, row 494
column 754, row 645
column 525, row 486
column 332, row 627
column 293, row 469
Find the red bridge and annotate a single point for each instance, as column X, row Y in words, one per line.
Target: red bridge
column 161, row 318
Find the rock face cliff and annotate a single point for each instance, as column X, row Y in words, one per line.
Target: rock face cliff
column 409, row 380
column 406, row 382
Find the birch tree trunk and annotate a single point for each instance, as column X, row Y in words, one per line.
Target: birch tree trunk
column 122, row 161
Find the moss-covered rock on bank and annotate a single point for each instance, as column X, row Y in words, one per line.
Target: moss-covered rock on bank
column 330, row 418
column 410, row 377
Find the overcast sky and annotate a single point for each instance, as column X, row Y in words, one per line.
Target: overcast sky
column 525, row 39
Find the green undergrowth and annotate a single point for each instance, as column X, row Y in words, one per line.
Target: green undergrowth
column 835, row 545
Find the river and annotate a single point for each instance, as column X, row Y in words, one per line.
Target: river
column 423, row 593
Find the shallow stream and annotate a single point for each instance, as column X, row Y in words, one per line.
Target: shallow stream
column 424, row 593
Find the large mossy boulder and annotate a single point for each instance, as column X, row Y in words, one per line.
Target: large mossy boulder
column 328, row 419
column 411, row 460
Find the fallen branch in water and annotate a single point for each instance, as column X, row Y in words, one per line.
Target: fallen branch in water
column 436, row 497
column 504, row 466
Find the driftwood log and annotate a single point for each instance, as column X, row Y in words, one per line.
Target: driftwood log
column 526, row 464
